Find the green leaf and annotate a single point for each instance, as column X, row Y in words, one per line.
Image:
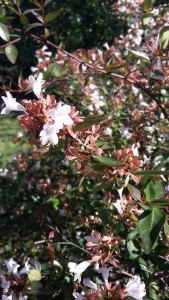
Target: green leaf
column 162, row 263
column 53, row 15
column 33, row 25
column 134, row 192
column 160, row 202
column 35, row 2
column 90, row 122
column 34, row 275
column 149, row 226
column 103, row 186
column 24, row 21
column 107, row 161
column 150, row 192
column 145, row 18
column 133, row 234
column 47, row 2
column 134, row 248
column 159, row 190
column 14, row 10
column 157, row 75
column 140, row 55
column 54, row 70
column 164, row 36
column 166, row 230
column 4, row 33
column 151, row 173
column 11, row 52
column 35, row 288
column 105, row 217
column 147, row 4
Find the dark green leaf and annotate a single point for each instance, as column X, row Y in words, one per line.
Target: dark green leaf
column 90, row 122
column 11, row 53
column 4, row 33
column 159, row 190
column 35, row 2
column 103, row 186
column 107, row 161
column 149, row 226
column 35, row 288
column 159, row 202
column 105, row 217
column 134, row 248
column 134, row 192
column 53, row 15
column 14, row 10
column 47, row 2
column 161, row 262
column 157, row 75
column 150, row 173
column 24, row 21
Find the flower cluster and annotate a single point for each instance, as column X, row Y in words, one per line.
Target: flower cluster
column 44, row 118
column 13, row 282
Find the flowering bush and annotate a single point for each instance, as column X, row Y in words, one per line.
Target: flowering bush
column 99, row 170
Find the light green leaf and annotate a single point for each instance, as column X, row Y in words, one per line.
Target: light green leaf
column 34, row 275
column 4, row 33
column 140, row 55
column 90, row 122
column 11, row 52
column 53, row 15
column 149, row 226
column 147, row 4
column 107, row 161
column 145, row 18
column 164, row 36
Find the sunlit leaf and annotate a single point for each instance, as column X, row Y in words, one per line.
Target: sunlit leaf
column 150, row 173
column 136, row 194
column 149, row 226
column 54, row 70
column 34, row 275
column 150, row 192
column 164, row 36
column 4, row 33
column 141, row 55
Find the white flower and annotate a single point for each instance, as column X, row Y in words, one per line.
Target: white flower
column 91, row 238
column 87, row 282
column 5, row 285
column 78, row 269
column 49, row 134
column 79, row 296
column 120, row 205
column 11, row 104
column 25, row 269
column 105, row 272
column 23, row 297
column 135, row 288
column 36, row 84
column 61, row 115
column 12, row 266
column 6, row 297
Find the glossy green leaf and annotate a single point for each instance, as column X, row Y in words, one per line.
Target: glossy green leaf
column 107, row 161
column 33, row 25
column 133, row 234
column 149, row 226
column 134, row 248
column 164, row 36
column 150, row 192
column 34, row 275
column 35, row 2
column 24, row 21
column 90, row 122
column 11, row 52
column 53, row 15
column 4, row 33
column 136, row 193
